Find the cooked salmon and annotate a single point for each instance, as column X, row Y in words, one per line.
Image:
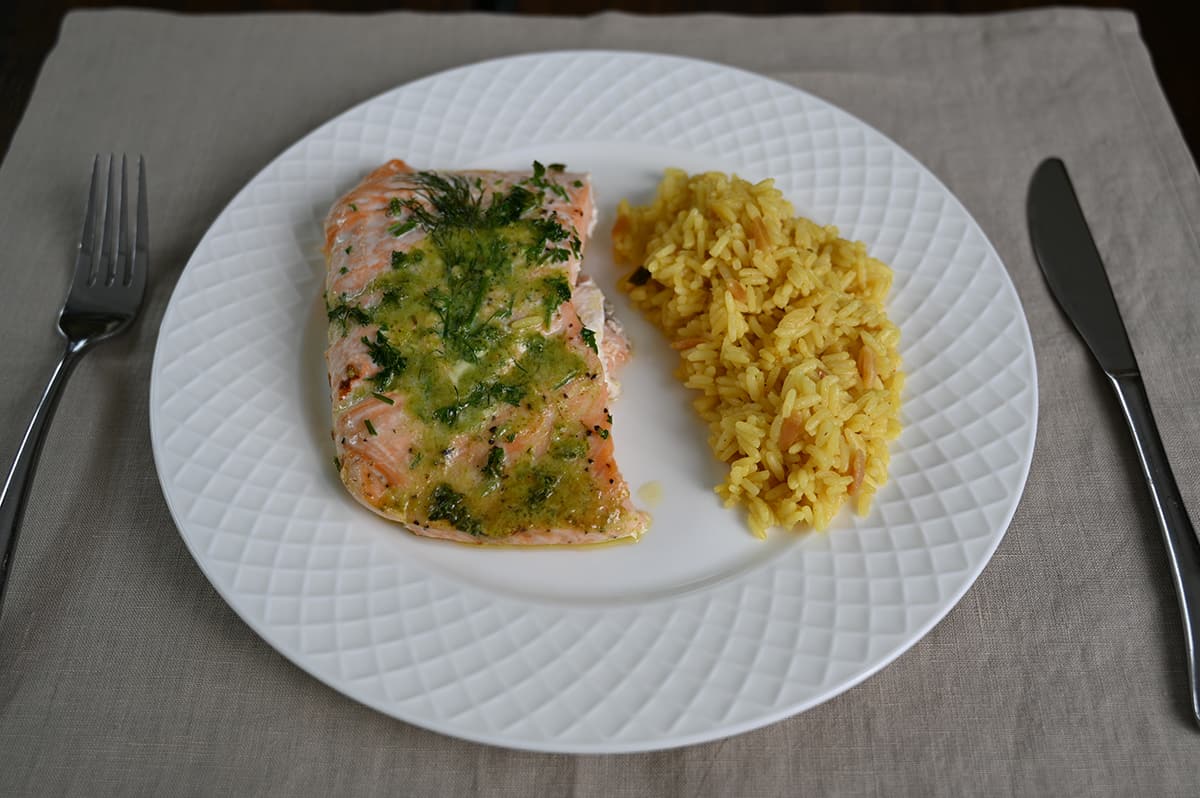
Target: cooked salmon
column 471, row 364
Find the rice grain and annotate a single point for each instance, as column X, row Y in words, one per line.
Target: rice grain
column 781, row 327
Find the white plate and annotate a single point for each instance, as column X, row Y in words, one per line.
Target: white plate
column 700, row 630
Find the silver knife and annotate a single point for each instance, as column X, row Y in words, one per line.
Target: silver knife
column 1067, row 254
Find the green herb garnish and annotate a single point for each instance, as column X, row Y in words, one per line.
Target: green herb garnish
column 400, row 228
column 539, row 179
column 495, row 462
column 589, row 338
column 541, row 487
column 566, row 378
column 482, row 395
column 555, row 291
column 370, row 427
column 473, row 265
column 569, row 448
column 442, row 342
column 391, row 363
column 447, row 504
column 447, row 201
column 346, row 314
column 387, row 400
column 400, row 259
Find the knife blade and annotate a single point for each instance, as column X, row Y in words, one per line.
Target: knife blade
column 1067, row 255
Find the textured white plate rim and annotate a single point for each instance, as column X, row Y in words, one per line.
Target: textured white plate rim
column 608, row 745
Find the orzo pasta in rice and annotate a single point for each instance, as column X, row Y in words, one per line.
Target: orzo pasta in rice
column 780, row 325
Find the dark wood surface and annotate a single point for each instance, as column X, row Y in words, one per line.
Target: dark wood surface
column 28, row 29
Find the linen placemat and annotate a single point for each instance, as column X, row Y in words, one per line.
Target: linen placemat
column 1060, row 672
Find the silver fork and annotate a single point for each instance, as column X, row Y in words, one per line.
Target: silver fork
column 106, row 293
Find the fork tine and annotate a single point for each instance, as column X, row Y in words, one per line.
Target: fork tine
column 122, row 266
column 85, row 258
column 108, row 245
column 140, row 264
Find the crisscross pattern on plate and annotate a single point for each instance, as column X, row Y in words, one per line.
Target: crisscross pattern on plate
column 696, row 632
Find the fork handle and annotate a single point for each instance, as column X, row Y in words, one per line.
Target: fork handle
column 1183, row 548
column 20, row 476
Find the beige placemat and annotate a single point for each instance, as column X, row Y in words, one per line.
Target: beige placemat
column 1061, row 671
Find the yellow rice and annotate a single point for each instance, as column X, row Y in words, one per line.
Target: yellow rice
column 781, row 327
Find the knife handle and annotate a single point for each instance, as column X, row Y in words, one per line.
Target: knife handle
column 1183, row 548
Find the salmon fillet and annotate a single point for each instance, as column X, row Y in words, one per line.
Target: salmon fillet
column 471, row 365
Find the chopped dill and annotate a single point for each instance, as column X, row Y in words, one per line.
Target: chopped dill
column 345, row 314
column 400, row 228
column 495, row 463
column 400, row 259
column 391, row 363
column 555, row 291
column 589, row 338
column 482, row 395
column 447, row 504
column 542, row 485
